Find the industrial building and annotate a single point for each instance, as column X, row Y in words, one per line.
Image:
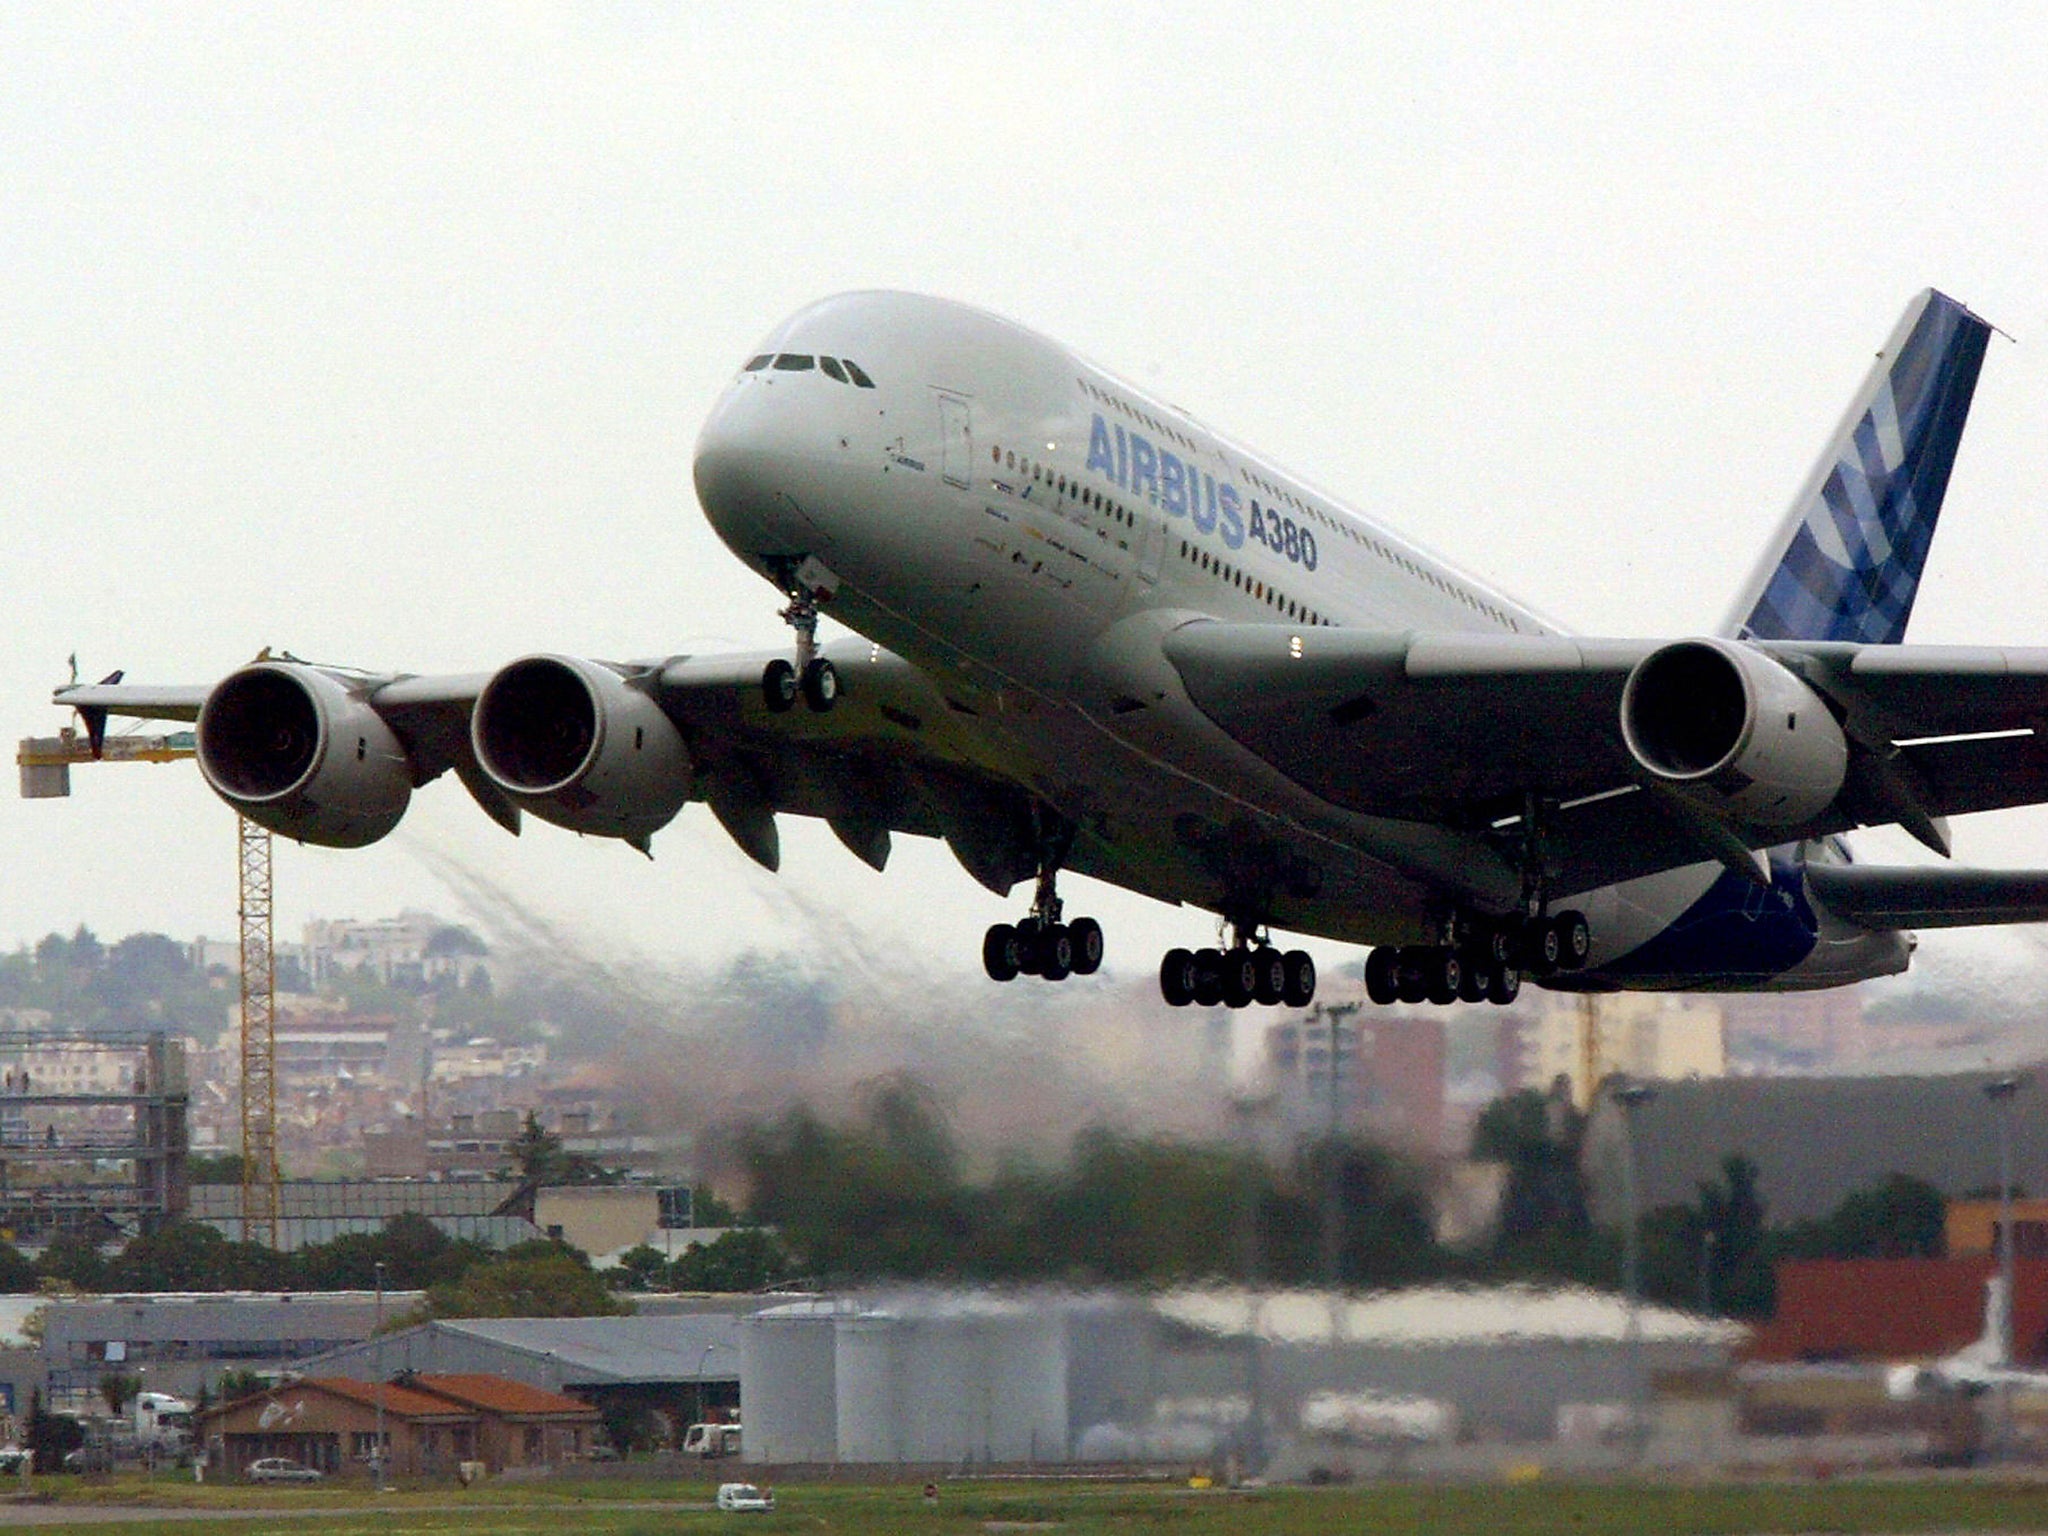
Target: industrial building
column 313, row 1211
column 178, row 1343
column 945, row 1377
column 677, row 1357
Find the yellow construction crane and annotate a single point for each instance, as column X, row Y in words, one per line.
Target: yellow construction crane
column 45, row 764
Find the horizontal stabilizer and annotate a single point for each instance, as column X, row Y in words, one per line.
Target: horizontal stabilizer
column 1907, row 896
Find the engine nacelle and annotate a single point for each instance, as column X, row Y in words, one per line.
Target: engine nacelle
column 569, row 741
column 294, row 751
column 1733, row 730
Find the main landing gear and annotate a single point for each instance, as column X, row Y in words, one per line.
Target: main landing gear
column 1249, row 971
column 1484, row 963
column 1043, row 944
column 810, row 677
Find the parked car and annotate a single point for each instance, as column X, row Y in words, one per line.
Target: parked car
column 280, row 1469
column 744, row 1496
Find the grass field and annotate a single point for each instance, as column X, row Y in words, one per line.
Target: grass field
column 644, row 1509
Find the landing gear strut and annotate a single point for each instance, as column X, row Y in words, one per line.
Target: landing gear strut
column 810, row 676
column 1044, row 944
column 1247, row 970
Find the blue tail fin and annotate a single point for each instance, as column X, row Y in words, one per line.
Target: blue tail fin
column 1847, row 561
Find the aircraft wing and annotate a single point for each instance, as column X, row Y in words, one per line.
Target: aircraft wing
column 1463, row 729
column 888, row 757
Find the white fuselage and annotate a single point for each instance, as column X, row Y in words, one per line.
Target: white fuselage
column 1024, row 526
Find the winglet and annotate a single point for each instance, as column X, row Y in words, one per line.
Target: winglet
column 1847, row 560
column 95, row 717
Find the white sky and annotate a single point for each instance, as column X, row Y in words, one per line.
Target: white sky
column 384, row 334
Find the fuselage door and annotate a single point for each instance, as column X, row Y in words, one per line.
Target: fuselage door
column 1151, row 550
column 956, row 442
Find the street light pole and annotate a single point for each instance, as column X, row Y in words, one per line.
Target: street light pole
column 2001, row 1092
column 377, row 1449
column 1631, row 1097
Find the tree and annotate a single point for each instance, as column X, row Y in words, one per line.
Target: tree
column 1900, row 1218
column 50, row 1437
column 743, row 1259
column 192, row 1256
column 1545, row 1227
column 74, row 1260
column 640, row 1268
column 17, row 1273
column 117, row 1391
column 214, row 1168
column 523, row 1284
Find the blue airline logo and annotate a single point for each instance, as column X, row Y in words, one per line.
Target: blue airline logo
column 1215, row 508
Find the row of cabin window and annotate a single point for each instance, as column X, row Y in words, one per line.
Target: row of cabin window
column 1151, row 423
column 844, row 369
column 1342, row 527
column 1197, row 556
column 1006, row 458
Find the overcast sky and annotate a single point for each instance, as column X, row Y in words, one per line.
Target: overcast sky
column 383, row 335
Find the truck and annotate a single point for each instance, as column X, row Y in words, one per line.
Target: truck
column 163, row 1423
column 712, row 1441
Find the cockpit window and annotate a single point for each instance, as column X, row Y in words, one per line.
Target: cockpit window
column 832, row 368
column 756, row 364
column 794, row 362
column 854, row 372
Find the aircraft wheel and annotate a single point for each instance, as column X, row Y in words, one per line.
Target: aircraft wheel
column 1177, row 978
column 1542, row 947
column 1087, row 936
column 1504, row 986
column 1056, row 952
column 1270, row 966
column 1300, row 990
column 1446, row 974
column 821, row 685
column 1240, row 978
column 1383, row 975
column 778, row 686
column 1478, row 975
column 1208, row 977
column 1412, row 969
column 1574, row 940
column 1028, row 948
column 999, row 952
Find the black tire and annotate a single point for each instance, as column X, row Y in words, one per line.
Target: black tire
column 1498, row 946
column 1504, row 986
column 1411, row 966
column 1541, row 947
column 1087, row 936
column 1574, row 940
column 778, row 686
column 1240, row 978
column 1383, row 976
column 1056, row 952
column 1208, row 977
column 1028, row 948
column 999, row 952
column 1478, row 975
column 1270, row 966
column 821, row 685
column 1177, row 978
column 1301, row 978
column 1446, row 975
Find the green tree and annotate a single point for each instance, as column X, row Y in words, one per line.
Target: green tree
column 73, row 1260
column 214, row 1168
column 743, row 1259
column 118, row 1391
column 525, row 1284
column 1899, row 1218
column 17, row 1273
column 192, row 1256
column 1545, row 1228
column 640, row 1268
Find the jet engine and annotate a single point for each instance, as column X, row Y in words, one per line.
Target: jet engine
column 572, row 742
column 292, row 749
column 1733, row 731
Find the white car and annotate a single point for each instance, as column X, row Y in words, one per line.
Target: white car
column 744, row 1496
column 281, row 1469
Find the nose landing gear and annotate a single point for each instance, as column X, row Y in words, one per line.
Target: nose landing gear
column 810, row 677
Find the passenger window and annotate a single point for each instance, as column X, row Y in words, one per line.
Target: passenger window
column 853, row 371
column 832, row 369
column 756, row 364
column 794, row 362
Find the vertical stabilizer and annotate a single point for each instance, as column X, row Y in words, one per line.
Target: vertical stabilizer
column 1847, row 560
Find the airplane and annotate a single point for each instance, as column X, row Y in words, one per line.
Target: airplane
column 1093, row 635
